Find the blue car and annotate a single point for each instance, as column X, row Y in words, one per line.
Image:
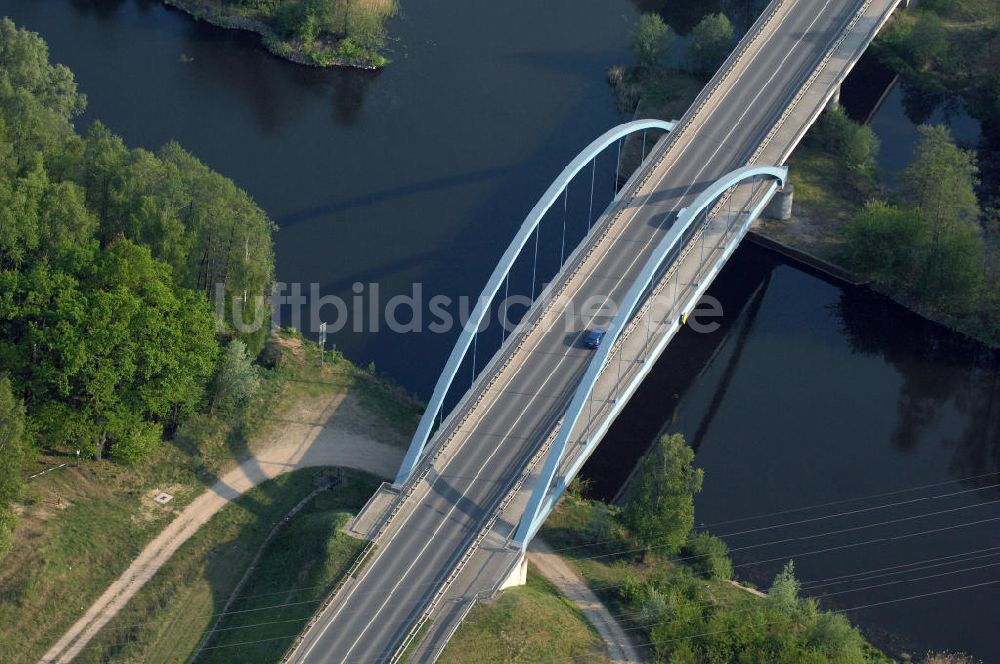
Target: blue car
column 592, row 339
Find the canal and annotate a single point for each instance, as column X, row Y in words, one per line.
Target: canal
column 811, row 393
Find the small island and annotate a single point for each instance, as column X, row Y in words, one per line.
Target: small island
column 320, row 33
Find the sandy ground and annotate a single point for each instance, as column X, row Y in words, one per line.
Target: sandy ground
column 550, row 565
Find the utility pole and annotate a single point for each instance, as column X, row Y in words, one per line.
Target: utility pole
column 322, row 342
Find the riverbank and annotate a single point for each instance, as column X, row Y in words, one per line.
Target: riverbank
column 684, row 607
column 82, row 526
column 300, row 41
column 825, row 203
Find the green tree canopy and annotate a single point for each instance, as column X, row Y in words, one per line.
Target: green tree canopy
column 106, row 257
column 941, row 179
column 13, row 455
column 238, row 377
column 940, row 182
column 711, row 42
column 651, row 41
column 659, row 511
column 107, row 355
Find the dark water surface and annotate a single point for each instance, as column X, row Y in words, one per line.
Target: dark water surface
column 810, row 393
column 813, row 393
column 419, row 173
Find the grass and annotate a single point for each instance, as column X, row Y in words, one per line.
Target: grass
column 414, row 643
column 533, row 623
column 823, row 205
column 667, row 94
column 82, row 525
column 166, row 620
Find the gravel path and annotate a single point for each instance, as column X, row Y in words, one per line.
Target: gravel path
column 550, row 565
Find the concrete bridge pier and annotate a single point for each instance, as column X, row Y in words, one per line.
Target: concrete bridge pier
column 518, row 574
column 780, row 207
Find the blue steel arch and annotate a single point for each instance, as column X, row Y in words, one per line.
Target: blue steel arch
column 536, row 511
column 531, row 222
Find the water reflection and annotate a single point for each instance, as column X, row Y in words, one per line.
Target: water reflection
column 939, row 369
column 349, row 89
column 102, row 9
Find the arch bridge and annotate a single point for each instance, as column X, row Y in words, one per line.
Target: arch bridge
column 698, row 241
column 479, row 478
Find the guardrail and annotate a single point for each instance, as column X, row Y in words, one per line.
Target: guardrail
column 511, row 492
column 791, row 106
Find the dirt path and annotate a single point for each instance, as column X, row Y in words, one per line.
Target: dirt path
column 568, row 582
column 312, row 436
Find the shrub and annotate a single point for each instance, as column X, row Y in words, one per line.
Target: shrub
column 133, row 439
column 708, row 556
column 948, row 658
column 237, row 380
column 270, row 357
column 856, row 146
column 651, row 41
column 784, row 592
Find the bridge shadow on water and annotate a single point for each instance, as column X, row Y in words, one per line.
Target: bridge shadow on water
column 654, row 404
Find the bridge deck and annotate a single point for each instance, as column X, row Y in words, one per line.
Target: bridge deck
column 516, row 405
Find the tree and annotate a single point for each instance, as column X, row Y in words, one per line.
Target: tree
column 37, row 99
column 855, row 145
column 941, row 179
column 940, row 183
column 887, row 243
column 659, row 511
column 709, row 555
column 13, row 454
column 784, row 592
column 104, row 161
column 651, row 41
column 105, row 349
column 927, row 41
column 711, row 41
column 238, row 378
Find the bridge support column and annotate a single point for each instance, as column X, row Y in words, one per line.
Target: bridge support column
column 518, row 575
column 780, row 207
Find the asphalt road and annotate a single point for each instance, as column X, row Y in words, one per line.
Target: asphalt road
column 367, row 623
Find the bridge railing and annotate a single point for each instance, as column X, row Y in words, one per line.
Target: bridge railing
column 501, row 277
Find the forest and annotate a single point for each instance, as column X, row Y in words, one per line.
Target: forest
column 111, row 261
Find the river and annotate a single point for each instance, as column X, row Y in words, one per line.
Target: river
column 810, row 393
column 814, row 393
